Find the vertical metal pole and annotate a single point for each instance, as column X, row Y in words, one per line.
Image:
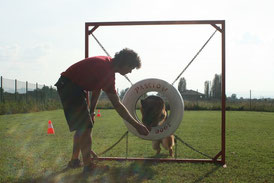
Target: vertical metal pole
column 87, row 52
column 127, row 145
column 176, row 146
column 86, row 41
column 223, row 94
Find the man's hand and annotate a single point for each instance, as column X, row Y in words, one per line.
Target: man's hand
column 142, row 129
column 124, row 113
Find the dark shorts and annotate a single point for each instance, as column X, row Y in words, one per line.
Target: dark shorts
column 75, row 105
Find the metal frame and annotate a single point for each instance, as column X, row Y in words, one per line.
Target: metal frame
column 220, row 157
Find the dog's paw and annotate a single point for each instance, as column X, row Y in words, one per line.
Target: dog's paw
column 171, row 153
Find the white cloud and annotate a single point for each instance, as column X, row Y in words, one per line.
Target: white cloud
column 249, row 39
column 9, row 53
column 21, row 54
column 34, row 53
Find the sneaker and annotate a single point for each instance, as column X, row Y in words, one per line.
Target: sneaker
column 75, row 163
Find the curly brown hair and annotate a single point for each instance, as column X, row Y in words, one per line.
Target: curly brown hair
column 127, row 57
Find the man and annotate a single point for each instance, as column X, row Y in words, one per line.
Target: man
column 93, row 74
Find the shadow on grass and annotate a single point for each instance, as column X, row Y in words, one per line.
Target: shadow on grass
column 214, row 169
column 45, row 178
column 138, row 171
column 201, row 178
column 135, row 172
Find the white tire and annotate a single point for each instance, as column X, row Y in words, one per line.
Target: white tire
column 175, row 101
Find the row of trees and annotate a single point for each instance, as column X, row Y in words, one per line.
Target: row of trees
column 211, row 89
column 45, row 98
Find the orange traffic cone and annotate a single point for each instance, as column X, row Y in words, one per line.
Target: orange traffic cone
column 99, row 114
column 50, row 128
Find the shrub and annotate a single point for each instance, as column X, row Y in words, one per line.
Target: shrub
column 13, row 107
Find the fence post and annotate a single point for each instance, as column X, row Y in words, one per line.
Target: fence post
column 44, row 94
column 197, row 99
column 36, row 92
column 26, row 92
column 1, row 90
column 15, row 92
column 51, row 92
column 250, row 100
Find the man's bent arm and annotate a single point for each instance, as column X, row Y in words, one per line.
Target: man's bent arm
column 94, row 99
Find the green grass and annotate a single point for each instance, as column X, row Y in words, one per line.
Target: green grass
column 29, row 154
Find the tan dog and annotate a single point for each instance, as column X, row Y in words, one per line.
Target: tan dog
column 153, row 114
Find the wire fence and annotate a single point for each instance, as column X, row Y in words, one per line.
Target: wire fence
column 23, row 91
column 27, row 96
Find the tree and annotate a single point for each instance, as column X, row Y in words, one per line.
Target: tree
column 182, row 85
column 207, row 90
column 234, row 96
column 216, row 86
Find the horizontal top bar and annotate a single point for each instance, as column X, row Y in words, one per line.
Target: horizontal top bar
column 176, row 22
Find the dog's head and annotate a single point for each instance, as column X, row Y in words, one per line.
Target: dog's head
column 153, row 111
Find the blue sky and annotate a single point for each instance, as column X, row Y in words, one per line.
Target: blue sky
column 40, row 39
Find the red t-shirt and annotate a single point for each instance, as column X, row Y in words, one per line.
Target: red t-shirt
column 93, row 73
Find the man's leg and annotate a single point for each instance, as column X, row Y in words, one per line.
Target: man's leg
column 75, row 161
column 76, row 111
column 86, row 141
column 81, row 141
column 76, row 146
column 85, row 146
column 77, row 143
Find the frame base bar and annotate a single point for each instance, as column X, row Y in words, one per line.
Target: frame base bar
column 158, row 160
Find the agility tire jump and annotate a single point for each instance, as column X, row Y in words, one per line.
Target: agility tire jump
column 175, row 101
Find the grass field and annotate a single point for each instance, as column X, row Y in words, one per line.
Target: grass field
column 29, row 154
